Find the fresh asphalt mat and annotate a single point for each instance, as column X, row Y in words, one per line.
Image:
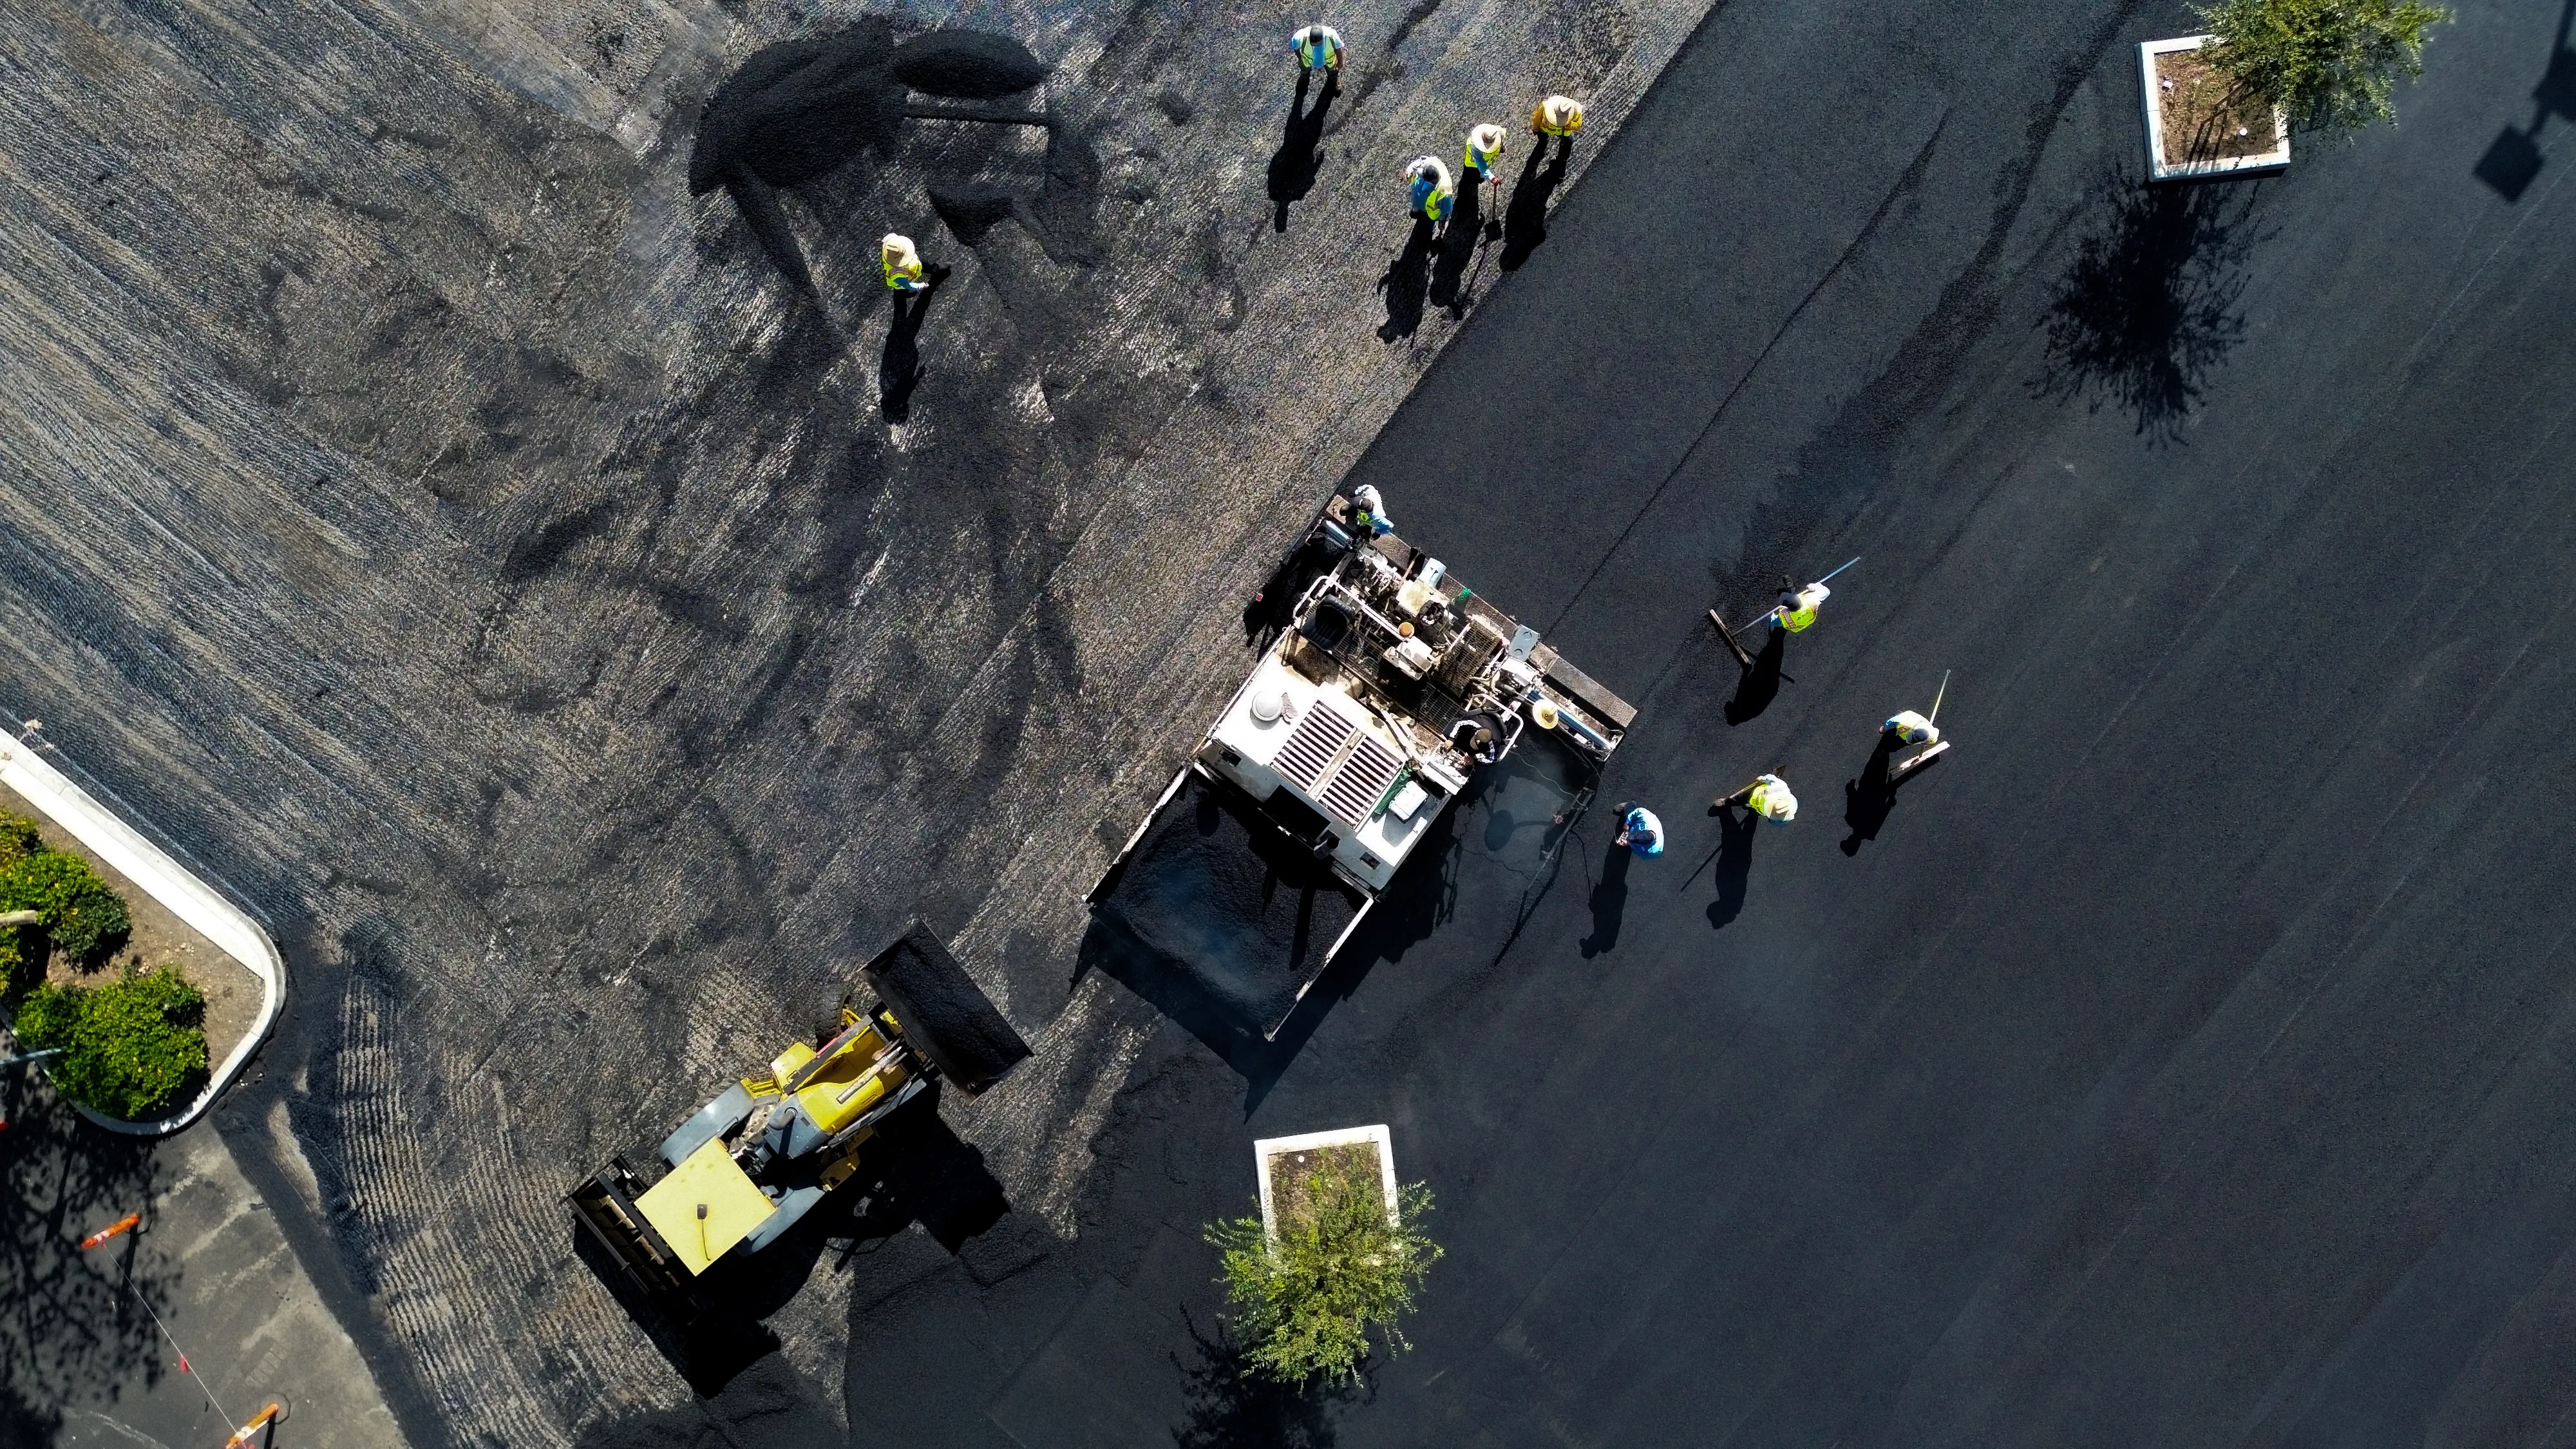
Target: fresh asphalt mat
column 2183, row 1059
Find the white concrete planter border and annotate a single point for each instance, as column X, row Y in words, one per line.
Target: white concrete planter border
column 2157, row 170
column 1263, row 1149
column 205, row 909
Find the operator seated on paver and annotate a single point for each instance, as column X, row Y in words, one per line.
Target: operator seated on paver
column 904, row 271
column 1428, row 186
column 1368, row 512
column 1798, row 607
column 1639, row 830
column 1558, row 116
column 1319, row 47
column 1768, row 796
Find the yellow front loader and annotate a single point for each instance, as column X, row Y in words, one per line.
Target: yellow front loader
column 748, row 1165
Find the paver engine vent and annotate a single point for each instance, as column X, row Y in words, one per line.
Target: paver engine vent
column 1362, row 781
column 1311, row 748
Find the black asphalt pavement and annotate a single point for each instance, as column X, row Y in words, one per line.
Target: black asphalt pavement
column 2190, row 1056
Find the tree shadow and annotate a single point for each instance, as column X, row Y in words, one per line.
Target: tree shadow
column 1231, row 1408
column 2149, row 305
column 1301, row 150
column 70, row 1321
column 1734, row 860
column 1525, row 215
column 1407, row 284
column 1609, row 900
column 1759, row 685
column 1460, row 244
column 899, row 370
column 2514, row 159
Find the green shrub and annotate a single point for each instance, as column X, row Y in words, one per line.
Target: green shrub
column 130, row 1047
column 21, row 963
column 2331, row 64
column 84, row 918
column 18, row 839
column 1305, row 1303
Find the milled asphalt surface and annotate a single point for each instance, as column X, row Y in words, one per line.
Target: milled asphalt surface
column 2183, row 1060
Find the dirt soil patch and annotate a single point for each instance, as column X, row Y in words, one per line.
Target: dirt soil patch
column 160, row 938
column 2201, row 120
column 1289, row 1172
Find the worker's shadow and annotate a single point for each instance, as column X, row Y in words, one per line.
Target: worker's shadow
column 1734, row 861
column 1609, row 900
column 1407, row 284
column 1459, row 244
column 899, row 370
column 1525, row 216
column 1301, row 150
column 1760, row 684
column 1868, row 799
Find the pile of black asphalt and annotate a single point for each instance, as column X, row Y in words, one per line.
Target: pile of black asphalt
column 798, row 110
column 2185, row 1058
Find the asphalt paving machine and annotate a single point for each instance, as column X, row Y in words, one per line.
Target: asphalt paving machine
column 1390, row 685
column 751, row 1163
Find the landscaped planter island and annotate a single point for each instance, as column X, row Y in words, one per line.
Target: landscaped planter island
column 2198, row 125
column 1285, row 1166
column 178, row 960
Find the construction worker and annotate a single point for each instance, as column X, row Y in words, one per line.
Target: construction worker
column 1484, row 151
column 1911, row 728
column 1427, row 183
column 1368, row 512
column 1768, row 796
column 1639, row 830
column 1319, row 47
column 1798, row 606
column 903, row 269
column 1558, row 116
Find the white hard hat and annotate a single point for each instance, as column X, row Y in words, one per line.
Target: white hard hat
column 896, row 241
column 1487, row 137
column 1425, row 166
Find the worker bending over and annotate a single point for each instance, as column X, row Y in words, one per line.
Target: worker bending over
column 1768, row 796
column 1558, row 116
column 1911, row 728
column 1428, row 185
column 904, row 271
column 1639, row 830
column 1368, row 512
column 1798, row 606
column 1319, row 47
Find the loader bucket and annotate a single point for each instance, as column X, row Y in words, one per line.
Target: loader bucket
column 943, row 1013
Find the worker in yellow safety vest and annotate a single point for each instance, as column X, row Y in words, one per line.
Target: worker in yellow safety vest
column 904, row 271
column 1319, row 47
column 1798, row 606
column 1427, row 184
column 1911, row 728
column 1558, row 116
column 1484, row 152
column 1768, row 796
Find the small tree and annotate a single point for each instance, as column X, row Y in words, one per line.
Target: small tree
column 83, row 917
column 2332, row 64
column 1304, row 1303
column 129, row 1047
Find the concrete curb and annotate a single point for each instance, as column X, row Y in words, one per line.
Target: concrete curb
column 189, row 898
column 1264, row 1149
column 2157, row 168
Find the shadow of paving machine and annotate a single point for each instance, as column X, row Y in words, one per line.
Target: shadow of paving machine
column 1390, row 686
column 749, row 1165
